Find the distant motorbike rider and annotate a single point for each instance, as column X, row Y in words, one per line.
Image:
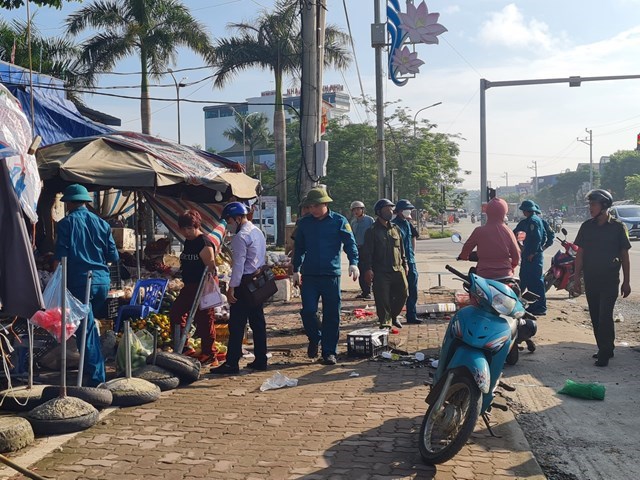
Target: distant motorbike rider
column 498, row 252
column 604, row 249
column 531, row 275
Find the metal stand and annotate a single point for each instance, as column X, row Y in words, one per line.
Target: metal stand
column 127, row 351
column 85, row 321
column 63, row 330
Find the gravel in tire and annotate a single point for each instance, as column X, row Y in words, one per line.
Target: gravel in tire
column 159, row 376
column 22, row 399
column 187, row 369
column 128, row 392
column 15, row 433
column 99, row 397
column 62, row 415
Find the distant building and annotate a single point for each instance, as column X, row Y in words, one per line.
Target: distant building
column 219, row 118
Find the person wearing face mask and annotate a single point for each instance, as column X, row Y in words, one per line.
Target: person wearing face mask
column 360, row 223
column 316, row 267
column 197, row 255
column 249, row 249
column 385, row 265
column 409, row 235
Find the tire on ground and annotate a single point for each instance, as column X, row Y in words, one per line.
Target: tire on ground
column 62, row 415
column 22, row 399
column 99, row 397
column 185, row 368
column 128, row 392
column 15, row 433
column 159, row 376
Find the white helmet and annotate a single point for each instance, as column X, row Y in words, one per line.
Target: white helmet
column 356, row 204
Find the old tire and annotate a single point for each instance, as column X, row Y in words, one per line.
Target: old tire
column 513, row 355
column 185, row 368
column 22, row 399
column 159, row 376
column 128, row 392
column 99, row 397
column 62, row 415
column 457, row 418
column 15, row 433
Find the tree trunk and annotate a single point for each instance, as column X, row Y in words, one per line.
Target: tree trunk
column 145, row 116
column 280, row 147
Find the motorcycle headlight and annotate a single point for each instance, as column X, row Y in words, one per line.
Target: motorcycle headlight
column 501, row 303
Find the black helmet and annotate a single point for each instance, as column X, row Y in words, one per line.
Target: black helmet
column 403, row 205
column 383, row 202
column 602, row 196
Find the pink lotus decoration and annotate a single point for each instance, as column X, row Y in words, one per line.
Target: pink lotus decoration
column 420, row 25
column 406, row 62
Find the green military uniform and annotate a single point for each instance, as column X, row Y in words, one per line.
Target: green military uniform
column 383, row 252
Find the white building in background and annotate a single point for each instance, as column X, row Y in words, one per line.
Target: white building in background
column 219, row 118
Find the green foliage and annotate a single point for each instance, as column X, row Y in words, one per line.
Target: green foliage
column 438, row 233
column 253, row 131
column 567, row 191
column 632, row 188
column 622, row 164
column 11, row 4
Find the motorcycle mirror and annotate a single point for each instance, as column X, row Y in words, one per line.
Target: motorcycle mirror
column 564, row 231
column 456, row 238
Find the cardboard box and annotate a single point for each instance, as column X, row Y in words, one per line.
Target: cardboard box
column 125, row 239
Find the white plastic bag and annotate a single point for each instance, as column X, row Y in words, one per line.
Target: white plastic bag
column 211, row 296
column 51, row 318
column 278, row 380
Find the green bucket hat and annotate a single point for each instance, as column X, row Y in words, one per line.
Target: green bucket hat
column 76, row 193
column 317, row 196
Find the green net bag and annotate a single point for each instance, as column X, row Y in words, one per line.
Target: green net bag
column 589, row 391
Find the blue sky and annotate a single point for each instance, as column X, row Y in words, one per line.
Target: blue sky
column 492, row 39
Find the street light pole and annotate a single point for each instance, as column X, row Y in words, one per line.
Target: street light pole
column 416, row 115
column 589, row 141
column 178, row 85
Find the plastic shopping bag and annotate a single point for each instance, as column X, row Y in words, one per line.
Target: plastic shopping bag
column 140, row 350
column 589, row 391
column 211, row 296
column 51, row 318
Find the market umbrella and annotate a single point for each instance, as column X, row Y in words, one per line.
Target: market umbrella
column 133, row 161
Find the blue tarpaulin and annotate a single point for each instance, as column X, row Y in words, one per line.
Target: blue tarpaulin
column 56, row 118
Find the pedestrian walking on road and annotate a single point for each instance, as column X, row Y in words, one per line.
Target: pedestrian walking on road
column 604, row 249
column 531, row 275
column 360, row 223
column 86, row 240
column 410, row 234
column 385, row 265
column 249, row 249
column 316, row 267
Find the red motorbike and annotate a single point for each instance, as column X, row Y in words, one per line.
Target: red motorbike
column 560, row 274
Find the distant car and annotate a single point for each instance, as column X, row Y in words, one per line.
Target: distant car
column 630, row 216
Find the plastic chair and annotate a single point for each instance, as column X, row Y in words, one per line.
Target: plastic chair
column 142, row 305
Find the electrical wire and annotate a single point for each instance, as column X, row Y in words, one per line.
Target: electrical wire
column 353, row 49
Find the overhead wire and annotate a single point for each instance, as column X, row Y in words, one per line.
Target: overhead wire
column 355, row 56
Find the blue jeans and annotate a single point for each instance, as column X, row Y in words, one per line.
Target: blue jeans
column 93, row 360
column 313, row 288
column 531, row 279
column 412, row 299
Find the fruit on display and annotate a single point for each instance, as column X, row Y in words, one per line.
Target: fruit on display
column 280, row 264
column 153, row 321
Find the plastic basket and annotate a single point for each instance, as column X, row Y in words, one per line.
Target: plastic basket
column 222, row 333
column 112, row 305
column 367, row 342
column 116, row 281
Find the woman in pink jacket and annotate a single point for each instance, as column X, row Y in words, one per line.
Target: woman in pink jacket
column 498, row 250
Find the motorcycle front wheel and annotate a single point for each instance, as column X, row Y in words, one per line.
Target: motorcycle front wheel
column 444, row 432
column 548, row 280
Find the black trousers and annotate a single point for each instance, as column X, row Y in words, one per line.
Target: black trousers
column 240, row 312
column 601, row 296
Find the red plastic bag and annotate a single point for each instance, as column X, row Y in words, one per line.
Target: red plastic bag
column 51, row 318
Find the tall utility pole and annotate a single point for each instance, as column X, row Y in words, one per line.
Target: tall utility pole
column 378, row 42
column 589, row 141
column 506, row 177
column 311, row 88
column 534, row 167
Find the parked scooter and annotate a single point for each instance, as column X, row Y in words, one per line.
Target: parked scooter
column 472, row 358
column 473, row 218
column 560, row 274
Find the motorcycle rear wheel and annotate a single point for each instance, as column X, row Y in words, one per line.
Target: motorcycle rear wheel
column 513, row 356
column 444, row 433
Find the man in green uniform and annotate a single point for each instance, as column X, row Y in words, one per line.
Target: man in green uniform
column 604, row 248
column 385, row 264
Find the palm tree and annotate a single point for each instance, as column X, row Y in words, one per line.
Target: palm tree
column 250, row 131
column 151, row 29
column 273, row 41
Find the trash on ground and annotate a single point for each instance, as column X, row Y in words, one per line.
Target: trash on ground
column 419, row 356
column 354, row 374
column 589, row 391
column 278, row 380
column 434, row 363
column 361, row 312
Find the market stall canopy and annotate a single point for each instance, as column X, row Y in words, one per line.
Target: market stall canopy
column 134, row 161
